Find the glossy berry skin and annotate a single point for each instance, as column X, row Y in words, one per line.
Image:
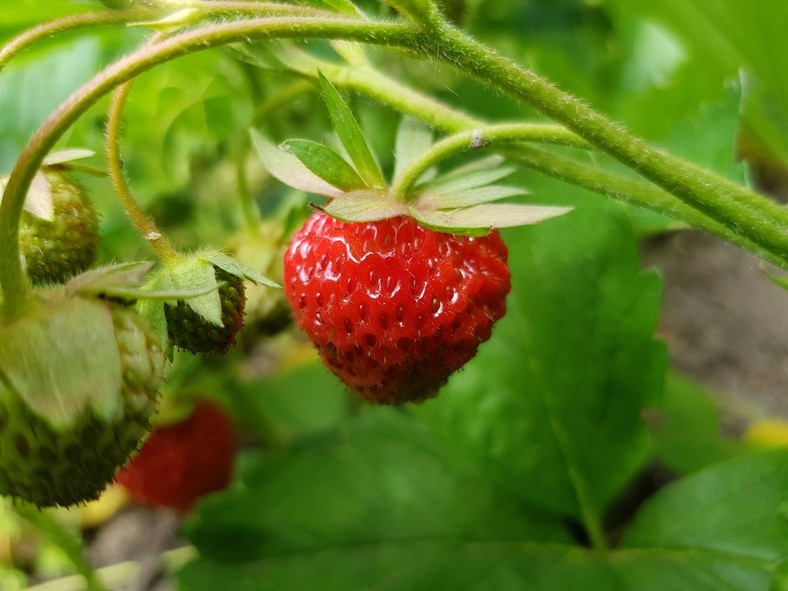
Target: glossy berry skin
column 181, row 462
column 191, row 332
column 392, row 307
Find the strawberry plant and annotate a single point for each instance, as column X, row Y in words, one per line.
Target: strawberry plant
column 316, row 210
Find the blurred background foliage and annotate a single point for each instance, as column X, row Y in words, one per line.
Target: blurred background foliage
column 565, row 429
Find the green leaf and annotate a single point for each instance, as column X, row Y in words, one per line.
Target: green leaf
column 63, row 361
column 731, row 37
column 362, row 506
column 365, row 206
column 325, row 163
column 235, row 267
column 301, row 400
column 726, row 517
column 686, row 428
column 350, row 135
column 705, row 533
column 552, row 403
column 289, row 169
column 413, row 138
column 482, row 218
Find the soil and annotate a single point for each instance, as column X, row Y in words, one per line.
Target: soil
column 725, row 322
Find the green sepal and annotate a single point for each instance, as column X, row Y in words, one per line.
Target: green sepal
column 480, row 219
column 64, row 361
column 468, row 197
column 350, row 135
column 103, row 280
column 471, row 176
column 365, row 206
column 413, row 138
column 69, row 155
column 153, row 310
column 235, row 267
column 38, row 201
column 289, row 169
column 195, row 273
column 325, row 163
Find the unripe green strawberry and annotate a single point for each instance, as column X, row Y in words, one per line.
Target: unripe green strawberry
column 63, row 434
column 66, row 245
column 192, row 332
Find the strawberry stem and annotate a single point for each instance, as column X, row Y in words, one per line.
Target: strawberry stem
column 67, row 24
column 379, row 87
column 476, row 139
column 144, row 225
column 752, row 216
column 17, row 291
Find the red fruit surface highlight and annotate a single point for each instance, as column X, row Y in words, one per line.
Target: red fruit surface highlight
column 394, row 308
column 181, row 462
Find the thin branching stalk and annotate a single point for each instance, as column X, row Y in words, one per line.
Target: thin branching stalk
column 748, row 214
column 68, row 24
column 379, row 87
column 479, row 138
column 15, row 285
column 144, row 225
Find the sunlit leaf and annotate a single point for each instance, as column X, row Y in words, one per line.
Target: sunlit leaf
column 289, row 169
column 324, row 163
column 350, row 135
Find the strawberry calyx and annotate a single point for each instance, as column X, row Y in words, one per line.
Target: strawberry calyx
column 209, row 314
column 461, row 201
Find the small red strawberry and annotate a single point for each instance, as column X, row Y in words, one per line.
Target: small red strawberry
column 181, row 462
column 392, row 307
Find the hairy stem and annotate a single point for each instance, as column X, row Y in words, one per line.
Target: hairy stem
column 68, row 24
column 478, row 138
column 379, row 87
column 141, row 222
column 12, row 279
column 754, row 217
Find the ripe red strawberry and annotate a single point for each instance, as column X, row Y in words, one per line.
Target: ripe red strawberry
column 392, row 307
column 181, row 462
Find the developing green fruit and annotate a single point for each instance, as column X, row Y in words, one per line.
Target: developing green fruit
column 195, row 333
column 65, row 243
column 78, row 385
